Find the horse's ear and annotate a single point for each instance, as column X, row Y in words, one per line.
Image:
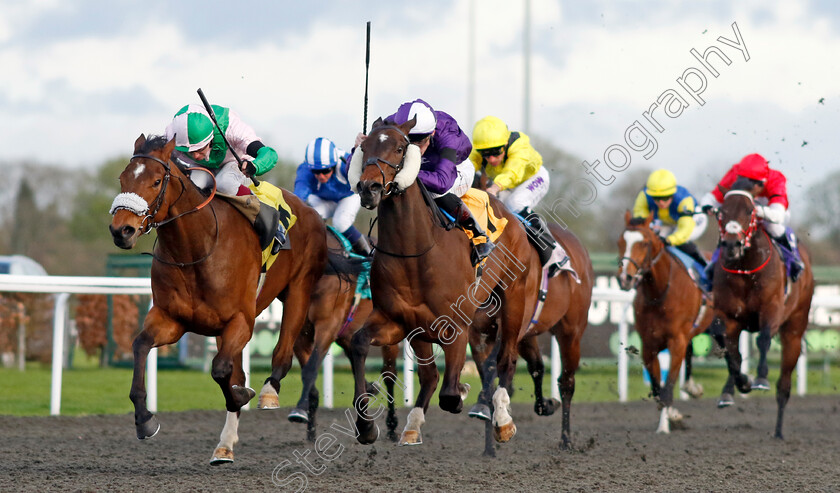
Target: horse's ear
column 377, row 123
column 139, row 143
column 649, row 219
column 627, row 217
column 168, row 148
column 407, row 126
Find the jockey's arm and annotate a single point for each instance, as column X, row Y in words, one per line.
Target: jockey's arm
column 640, row 207
column 685, row 223
column 774, row 213
column 246, row 143
column 709, row 201
column 303, row 182
column 522, row 163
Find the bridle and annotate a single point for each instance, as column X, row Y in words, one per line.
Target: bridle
column 640, row 270
column 391, row 186
column 744, row 237
column 147, row 216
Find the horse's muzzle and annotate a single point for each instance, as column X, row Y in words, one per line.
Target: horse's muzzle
column 732, row 250
column 370, row 192
column 124, row 236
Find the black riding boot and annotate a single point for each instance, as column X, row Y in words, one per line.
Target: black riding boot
column 268, row 227
column 362, row 247
column 455, row 207
column 550, row 253
column 690, row 249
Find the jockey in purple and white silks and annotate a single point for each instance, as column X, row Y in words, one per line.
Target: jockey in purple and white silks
column 321, row 181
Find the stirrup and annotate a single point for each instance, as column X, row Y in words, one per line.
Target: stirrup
column 481, row 251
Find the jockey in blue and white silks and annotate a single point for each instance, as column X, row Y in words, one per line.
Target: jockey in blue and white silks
column 322, row 182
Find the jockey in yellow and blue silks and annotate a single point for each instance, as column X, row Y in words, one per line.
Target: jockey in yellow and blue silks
column 673, row 206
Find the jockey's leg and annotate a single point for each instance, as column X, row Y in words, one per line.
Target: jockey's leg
column 358, row 241
column 690, row 249
column 710, row 268
column 345, row 213
column 455, row 207
column 784, row 236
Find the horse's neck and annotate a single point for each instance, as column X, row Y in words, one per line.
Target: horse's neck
column 405, row 223
column 187, row 233
column 655, row 283
column 759, row 251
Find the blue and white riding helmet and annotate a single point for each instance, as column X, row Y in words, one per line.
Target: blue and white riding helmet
column 321, row 153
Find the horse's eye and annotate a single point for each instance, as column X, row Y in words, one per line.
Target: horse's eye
column 157, row 182
column 400, row 150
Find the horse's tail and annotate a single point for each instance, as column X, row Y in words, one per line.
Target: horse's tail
column 347, row 269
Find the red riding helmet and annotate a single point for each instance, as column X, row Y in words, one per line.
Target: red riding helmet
column 753, row 166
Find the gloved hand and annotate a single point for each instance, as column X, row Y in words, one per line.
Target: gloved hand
column 665, row 240
column 359, row 139
column 708, row 209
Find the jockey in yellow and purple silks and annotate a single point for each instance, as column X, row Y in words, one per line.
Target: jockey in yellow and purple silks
column 673, row 206
column 519, row 180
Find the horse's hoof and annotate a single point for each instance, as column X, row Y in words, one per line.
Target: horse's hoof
column 694, row 390
column 761, row 384
column 452, row 403
column 242, row 395
column 504, row 433
column 546, row 407
column 222, row 455
column 743, row 384
column 148, row 429
column 369, row 435
column 725, row 400
column 410, row 437
column 298, row 416
column 268, row 401
column 392, row 435
column 480, row 411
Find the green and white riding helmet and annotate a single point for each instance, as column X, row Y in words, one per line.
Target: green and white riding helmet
column 192, row 127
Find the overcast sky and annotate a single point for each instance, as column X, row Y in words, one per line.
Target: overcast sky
column 81, row 80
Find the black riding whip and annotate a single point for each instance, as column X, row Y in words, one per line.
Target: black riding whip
column 367, row 68
column 250, row 169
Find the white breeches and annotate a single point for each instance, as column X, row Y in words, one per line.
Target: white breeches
column 343, row 212
column 528, row 193
column 228, row 179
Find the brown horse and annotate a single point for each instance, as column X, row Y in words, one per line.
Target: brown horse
column 752, row 293
column 669, row 308
column 329, row 321
column 205, row 274
column 425, row 288
column 565, row 313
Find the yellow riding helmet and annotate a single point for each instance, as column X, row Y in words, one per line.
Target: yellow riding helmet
column 490, row 132
column 661, row 183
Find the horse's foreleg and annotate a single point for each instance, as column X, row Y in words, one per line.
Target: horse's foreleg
column 427, row 374
column 694, row 389
column 530, row 352
column 389, row 367
column 503, row 427
column 733, row 357
column 568, row 336
column 158, row 330
column 226, row 368
column 763, row 344
column 484, row 351
column 668, row 413
column 651, row 361
column 726, row 398
column 791, row 334
column 452, row 391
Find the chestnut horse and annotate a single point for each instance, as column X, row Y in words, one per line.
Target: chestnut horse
column 752, row 293
column 669, row 309
column 425, row 288
column 328, row 321
column 205, row 277
column 565, row 313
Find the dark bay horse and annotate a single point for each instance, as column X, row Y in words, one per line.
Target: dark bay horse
column 328, row 321
column 205, row 274
column 669, row 310
column 752, row 293
column 565, row 314
column 425, row 288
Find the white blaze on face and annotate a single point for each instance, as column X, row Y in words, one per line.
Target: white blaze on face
column 734, row 228
column 631, row 238
column 139, row 169
column 383, row 137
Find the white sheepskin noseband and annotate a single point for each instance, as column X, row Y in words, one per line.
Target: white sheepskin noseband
column 404, row 179
column 130, row 202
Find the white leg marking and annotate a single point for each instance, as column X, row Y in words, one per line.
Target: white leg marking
column 664, row 425
column 501, row 406
column 465, row 391
column 415, row 420
column 230, row 433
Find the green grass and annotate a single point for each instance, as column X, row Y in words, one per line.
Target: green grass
column 87, row 389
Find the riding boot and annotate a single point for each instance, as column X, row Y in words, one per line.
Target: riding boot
column 456, row 208
column 690, row 249
column 551, row 254
column 710, row 270
column 265, row 225
column 788, row 241
column 362, row 246
column 279, row 238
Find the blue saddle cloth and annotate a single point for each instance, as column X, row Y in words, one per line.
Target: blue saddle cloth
column 363, row 281
column 695, row 269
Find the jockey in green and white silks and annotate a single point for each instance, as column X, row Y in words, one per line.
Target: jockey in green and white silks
column 199, row 142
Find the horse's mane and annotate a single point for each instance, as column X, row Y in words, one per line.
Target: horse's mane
column 637, row 221
column 153, row 143
column 744, row 184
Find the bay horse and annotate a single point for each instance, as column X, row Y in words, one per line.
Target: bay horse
column 752, row 293
column 669, row 309
column 332, row 318
column 205, row 277
column 565, row 314
column 425, row 288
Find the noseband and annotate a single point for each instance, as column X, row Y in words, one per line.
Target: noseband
column 391, row 186
column 744, row 237
column 640, row 271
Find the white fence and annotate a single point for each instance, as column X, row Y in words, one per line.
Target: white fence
column 64, row 286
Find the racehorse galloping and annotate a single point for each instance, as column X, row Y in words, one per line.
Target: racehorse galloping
column 328, row 321
column 424, row 286
column 669, row 309
column 565, row 314
column 205, row 274
column 752, row 293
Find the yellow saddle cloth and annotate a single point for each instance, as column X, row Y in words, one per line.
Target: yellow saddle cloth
column 273, row 196
column 479, row 204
